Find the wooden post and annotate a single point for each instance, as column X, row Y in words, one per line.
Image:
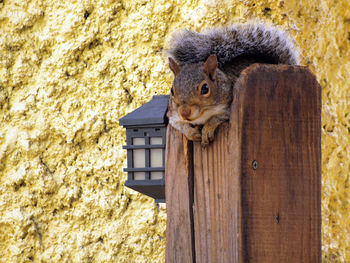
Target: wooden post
column 254, row 194
column 180, row 239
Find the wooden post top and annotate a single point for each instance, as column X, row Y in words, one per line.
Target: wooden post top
column 254, row 194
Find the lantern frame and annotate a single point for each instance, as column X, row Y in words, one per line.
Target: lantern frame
column 149, row 121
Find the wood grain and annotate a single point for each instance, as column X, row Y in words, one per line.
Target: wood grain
column 281, row 199
column 179, row 198
column 216, row 201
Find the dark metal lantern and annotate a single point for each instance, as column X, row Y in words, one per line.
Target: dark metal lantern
column 145, row 144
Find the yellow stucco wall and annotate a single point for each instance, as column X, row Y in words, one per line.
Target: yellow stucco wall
column 70, row 69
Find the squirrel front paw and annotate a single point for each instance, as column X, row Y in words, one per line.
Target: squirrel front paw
column 192, row 133
column 207, row 135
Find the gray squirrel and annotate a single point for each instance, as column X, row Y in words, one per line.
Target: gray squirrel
column 206, row 66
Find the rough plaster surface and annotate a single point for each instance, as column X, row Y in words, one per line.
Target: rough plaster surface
column 70, row 69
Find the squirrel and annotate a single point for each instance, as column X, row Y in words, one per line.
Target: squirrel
column 206, row 66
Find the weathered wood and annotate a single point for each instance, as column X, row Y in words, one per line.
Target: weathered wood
column 179, row 198
column 216, row 200
column 281, row 130
column 269, row 211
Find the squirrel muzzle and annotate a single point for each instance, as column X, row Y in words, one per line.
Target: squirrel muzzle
column 188, row 112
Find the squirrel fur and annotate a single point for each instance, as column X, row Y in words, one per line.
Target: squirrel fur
column 206, row 66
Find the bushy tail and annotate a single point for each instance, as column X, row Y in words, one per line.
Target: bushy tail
column 250, row 39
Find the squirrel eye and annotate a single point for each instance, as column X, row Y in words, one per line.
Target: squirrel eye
column 204, row 89
column 172, row 91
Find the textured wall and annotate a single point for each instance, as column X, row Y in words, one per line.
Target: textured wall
column 70, row 69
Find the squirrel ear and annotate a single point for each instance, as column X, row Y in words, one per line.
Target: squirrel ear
column 210, row 66
column 173, row 66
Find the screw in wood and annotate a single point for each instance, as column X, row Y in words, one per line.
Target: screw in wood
column 255, row 165
column 277, row 218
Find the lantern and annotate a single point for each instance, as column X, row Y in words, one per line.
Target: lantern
column 145, row 145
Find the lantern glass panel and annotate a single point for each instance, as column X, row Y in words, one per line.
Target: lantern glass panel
column 156, row 156
column 139, row 159
column 138, row 141
column 156, row 140
column 156, row 175
column 139, row 175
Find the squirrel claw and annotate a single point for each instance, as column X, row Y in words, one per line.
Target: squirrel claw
column 204, row 143
column 193, row 133
column 195, row 137
column 207, row 137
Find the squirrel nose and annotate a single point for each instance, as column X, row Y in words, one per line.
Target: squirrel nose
column 185, row 111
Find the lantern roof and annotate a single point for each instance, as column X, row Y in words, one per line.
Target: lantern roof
column 151, row 113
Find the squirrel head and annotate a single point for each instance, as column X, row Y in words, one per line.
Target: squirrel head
column 199, row 90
